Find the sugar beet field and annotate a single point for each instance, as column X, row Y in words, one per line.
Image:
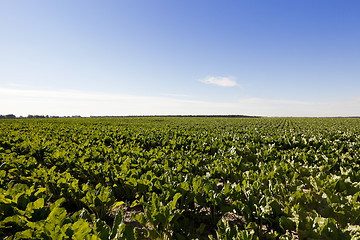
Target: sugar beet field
column 180, row 178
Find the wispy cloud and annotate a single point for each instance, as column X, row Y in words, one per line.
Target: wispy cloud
column 175, row 95
column 220, row 81
column 266, row 101
column 72, row 102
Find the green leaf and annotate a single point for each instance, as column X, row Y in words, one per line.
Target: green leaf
column 184, row 186
column 39, row 203
column 81, row 229
column 252, row 225
column 101, row 229
column 27, row 234
column 39, row 191
column 140, row 218
column 16, row 219
column 126, row 232
column 21, row 200
column 57, row 203
column 117, row 204
column 56, row 216
column 118, row 219
column 287, row 224
column 174, row 201
column 135, row 203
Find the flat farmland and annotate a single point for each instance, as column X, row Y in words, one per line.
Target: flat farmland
column 180, row 178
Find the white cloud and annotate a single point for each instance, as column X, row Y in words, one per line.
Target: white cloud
column 22, row 102
column 277, row 101
column 220, row 81
column 176, row 95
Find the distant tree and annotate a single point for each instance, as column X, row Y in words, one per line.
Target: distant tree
column 10, row 116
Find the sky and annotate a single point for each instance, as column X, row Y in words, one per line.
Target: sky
column 165, row 57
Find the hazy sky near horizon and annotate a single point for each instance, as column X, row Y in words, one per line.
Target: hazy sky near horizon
column 269, row 58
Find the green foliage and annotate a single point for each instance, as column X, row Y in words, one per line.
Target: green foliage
column 180, row 178
column 226, row 232
column 161, row 216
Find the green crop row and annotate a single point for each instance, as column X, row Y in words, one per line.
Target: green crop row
column 180, row 178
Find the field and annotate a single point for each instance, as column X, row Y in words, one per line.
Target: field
column 180, row 178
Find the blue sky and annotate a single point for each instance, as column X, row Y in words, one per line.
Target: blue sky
column 269, row 58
